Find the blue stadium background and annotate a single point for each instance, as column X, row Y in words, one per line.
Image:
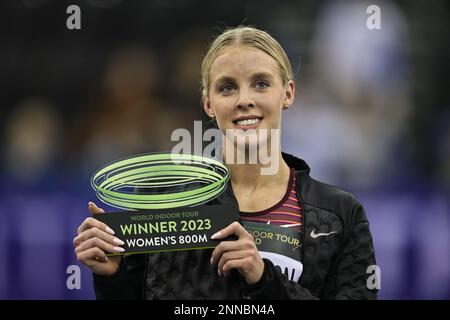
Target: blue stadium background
column 371, row 115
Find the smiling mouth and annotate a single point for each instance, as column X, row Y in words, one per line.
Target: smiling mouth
column 248, row 122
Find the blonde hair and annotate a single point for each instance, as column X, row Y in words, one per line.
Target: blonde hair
column 243, row 35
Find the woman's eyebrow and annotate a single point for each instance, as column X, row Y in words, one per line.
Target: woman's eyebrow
column 255, row 76
column 223, row 79
column 262, row 75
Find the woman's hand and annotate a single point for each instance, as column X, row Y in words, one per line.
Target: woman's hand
column 94, row 238
column 240, row 254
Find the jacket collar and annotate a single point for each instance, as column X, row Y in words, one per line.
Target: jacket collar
column 296, row 163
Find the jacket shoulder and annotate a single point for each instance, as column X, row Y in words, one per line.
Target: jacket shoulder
column 317, row 193
column 328, row 197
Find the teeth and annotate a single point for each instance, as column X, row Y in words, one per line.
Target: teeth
column 247, row 122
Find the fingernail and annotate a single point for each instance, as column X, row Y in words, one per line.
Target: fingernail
column 90, row 203
column 118, row 249
column 109, row 230
column 118, row 241
column 211, row 261
column 218, row 272
column 216, row 235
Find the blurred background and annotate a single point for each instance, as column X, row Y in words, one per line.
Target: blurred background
column 371, row 115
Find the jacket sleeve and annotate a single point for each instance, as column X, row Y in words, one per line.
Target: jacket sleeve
column 351, row 277
column 348, row 276
column 274, row 285
column 126, row 283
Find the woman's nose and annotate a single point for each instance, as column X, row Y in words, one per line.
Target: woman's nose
column 245, row 100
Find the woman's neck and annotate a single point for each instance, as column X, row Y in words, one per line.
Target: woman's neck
column 256, row 168
column 250, row 176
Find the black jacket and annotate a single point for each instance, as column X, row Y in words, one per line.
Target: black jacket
column 334, row 267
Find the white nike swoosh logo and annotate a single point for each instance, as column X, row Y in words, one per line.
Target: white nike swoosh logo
column 315, row 235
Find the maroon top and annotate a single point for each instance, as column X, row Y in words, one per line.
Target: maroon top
column 286, row 213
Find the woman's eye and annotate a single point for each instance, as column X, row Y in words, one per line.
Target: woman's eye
column 261, row 85
column 227, row 88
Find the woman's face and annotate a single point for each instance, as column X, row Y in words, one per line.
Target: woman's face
column 246, row 90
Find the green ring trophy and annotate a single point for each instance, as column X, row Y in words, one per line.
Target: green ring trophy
column 165, row 196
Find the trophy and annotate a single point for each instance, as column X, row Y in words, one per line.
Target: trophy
column 166, row 201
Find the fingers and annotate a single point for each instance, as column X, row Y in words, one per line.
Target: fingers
column 93, row 209
column 229, row 256
column 95, row 232
column 245, row 240
column 91, row 256
column 98, row 243
column 241, row 254
column 91, row 222
column 243, row 265
column 95, row 238
column 234, row 228
column 227, row 246
column 248, row 263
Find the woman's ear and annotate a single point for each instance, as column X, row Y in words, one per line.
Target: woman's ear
column 207, row 105
column 290, row 92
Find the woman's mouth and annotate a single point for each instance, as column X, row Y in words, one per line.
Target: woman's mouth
column 247, row 123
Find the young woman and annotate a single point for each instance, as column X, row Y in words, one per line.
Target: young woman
column 247, row 83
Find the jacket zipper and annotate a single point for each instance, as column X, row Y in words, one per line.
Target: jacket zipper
column 303, row 212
